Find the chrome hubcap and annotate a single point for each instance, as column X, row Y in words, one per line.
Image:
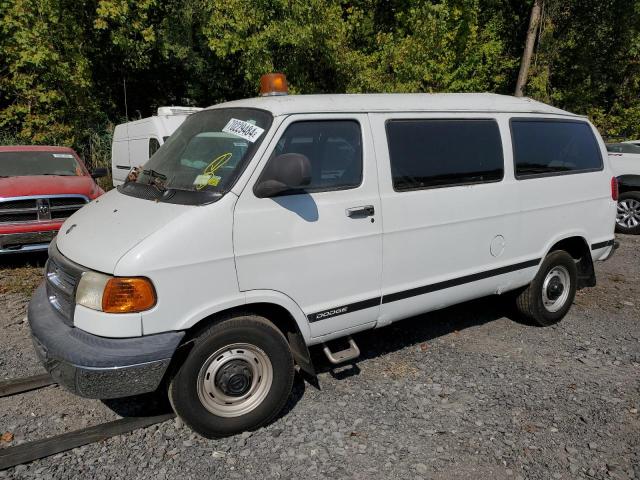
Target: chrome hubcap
column 555, row 288
column 628, row 215
column 235, row 380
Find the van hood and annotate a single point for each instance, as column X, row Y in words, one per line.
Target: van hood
column 103, row 231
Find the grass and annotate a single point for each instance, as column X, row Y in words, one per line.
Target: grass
column 18, row 276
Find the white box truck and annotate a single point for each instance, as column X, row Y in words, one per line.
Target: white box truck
column 135, row 142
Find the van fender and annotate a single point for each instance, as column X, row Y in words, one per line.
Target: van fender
column 284, row 301
column 298, row 340
column 563, row 236
column 196, row 317
column 586, row 271
column 298, row 335
column 246, row 299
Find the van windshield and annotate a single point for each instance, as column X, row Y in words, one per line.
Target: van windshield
column 204, row 156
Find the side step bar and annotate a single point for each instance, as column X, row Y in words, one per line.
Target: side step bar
column 350, row 353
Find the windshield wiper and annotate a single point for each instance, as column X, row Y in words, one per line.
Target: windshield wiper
column 156, row 179
column 154, row 174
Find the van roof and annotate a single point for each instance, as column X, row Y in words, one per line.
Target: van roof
column 394, row 102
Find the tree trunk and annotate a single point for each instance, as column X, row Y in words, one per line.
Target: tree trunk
column 528, row 47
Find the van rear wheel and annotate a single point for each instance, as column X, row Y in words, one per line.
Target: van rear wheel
column 237, row 377
column 549, row 296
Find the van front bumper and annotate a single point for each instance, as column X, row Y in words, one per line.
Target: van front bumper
column 93, row 366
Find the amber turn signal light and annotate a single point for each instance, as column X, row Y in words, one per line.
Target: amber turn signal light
column 128, row 295
column 273, row 84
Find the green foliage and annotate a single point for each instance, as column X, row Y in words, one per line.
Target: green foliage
column 588, row 61
column 329, row 46
column 45, row 85
column 64, row 64
column 130, row 29
column 437, row 48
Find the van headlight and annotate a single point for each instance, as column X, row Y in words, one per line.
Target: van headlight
column 115, row 294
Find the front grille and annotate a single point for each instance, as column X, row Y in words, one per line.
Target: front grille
column 60, row 290
column 14, row 211
column 75, row 202
column 18, row 217
column 62, row 278
column 60, row 214
column 26, row 203
column 40, row 209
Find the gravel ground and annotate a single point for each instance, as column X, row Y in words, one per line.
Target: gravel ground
column 461, row 393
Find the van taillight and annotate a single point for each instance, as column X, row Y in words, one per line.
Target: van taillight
column 614, row 188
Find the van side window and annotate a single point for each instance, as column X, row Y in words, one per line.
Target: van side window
column 441, row 153
column 154, row 145
column 333, row 147
column 553, row 147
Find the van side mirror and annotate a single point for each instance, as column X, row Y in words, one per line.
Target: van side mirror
column 288, row 171
column 99, row 172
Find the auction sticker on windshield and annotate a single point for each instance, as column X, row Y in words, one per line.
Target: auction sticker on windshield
column 243, row 129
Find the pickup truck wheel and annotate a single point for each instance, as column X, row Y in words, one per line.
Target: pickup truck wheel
column 628, row 214
column 549, row 296
column 237, row 377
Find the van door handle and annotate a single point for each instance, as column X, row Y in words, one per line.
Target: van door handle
column 360, row 212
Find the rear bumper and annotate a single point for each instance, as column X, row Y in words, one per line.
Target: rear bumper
column 93, row 366
column 604, row 250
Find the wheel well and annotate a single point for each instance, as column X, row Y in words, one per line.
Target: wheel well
column 276, row 314
column 628, row 183
column 579, row 249
column 627, row 189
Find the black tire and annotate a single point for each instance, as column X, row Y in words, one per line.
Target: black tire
column 530, row 303
column 187, row 386
column 634, row 198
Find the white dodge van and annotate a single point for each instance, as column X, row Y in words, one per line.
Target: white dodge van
column 135, row 142
column 268, row 225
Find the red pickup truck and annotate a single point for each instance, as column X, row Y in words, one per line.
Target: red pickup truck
column 40, row 186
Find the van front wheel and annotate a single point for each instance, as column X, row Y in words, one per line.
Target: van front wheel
column 549, row 296
column 237, row 377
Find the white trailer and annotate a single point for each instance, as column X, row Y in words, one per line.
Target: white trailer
column 135, row 142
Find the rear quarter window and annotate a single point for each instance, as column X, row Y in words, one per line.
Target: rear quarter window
column 545, row 147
